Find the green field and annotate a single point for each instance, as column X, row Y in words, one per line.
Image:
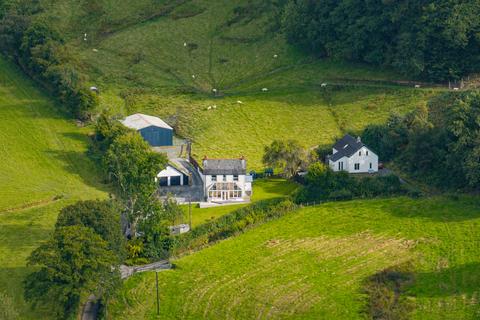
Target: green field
column 43, row 168
column 136, row 55
column 312, row 264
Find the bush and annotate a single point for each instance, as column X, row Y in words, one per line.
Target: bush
column 230, row 224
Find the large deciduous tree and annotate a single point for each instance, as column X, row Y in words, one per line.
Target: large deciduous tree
column 101, row 216
column 132, row 166
column 73, row 263
column 288, row 156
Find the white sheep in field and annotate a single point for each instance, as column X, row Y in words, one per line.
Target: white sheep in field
column 265, row 89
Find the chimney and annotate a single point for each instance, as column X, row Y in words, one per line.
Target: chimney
column 244, row 162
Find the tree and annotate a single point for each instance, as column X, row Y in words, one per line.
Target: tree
column 74, row 262
column 287, row 156
column 103, row 217
column 132, row 166
column 172, row 211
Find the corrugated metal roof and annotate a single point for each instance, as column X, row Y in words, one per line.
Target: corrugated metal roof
column 139, row 121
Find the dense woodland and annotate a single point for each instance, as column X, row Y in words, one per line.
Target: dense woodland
column 434, row 39
column 439, row 144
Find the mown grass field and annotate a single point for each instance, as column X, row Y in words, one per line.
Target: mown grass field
column 313, row 263
column 43, row 168
column 147, row 57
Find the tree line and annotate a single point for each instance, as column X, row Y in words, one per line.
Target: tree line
column 41, row 51
column 438, row 143
column 432, row 39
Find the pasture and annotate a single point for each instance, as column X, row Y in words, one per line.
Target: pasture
column 313, row 264
column 43, row 168
column 165, row 57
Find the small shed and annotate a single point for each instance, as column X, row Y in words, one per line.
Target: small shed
column 154, row 130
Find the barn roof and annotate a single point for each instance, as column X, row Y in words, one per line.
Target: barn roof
column 139, row 121
column 224, row 167
column 346, row 147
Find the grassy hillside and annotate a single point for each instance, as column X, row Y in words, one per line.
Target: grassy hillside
column 165, row 58
column 313, row 264
column 43, row 168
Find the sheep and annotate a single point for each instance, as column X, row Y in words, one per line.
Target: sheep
column 265, row 89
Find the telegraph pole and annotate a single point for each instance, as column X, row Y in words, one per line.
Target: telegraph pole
column 158, row 302
column 190, row 211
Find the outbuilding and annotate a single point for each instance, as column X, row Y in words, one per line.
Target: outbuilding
column 154, row 130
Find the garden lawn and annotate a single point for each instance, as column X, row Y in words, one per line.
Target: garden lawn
column 313, row 263
column 262, row 189
column 43, row 167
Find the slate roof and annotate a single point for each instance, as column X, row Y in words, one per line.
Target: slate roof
column 140, row 121
column 346, row 147
column 224, row 167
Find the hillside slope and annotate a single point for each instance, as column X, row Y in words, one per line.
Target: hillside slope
column 315, row 263
column 165, row 58
column 43, row 168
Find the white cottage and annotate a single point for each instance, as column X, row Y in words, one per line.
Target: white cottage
column 226, row 180
column 351, row 155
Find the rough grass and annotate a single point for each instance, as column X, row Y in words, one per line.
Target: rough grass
column 313, row 264
column 43, row 168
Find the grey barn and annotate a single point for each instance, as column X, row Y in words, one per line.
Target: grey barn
column 154, row 130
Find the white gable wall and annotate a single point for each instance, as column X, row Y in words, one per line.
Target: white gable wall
column 359, row 157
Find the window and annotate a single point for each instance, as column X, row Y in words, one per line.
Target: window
column 235, row 177
column 357, row 166
column 214, row 178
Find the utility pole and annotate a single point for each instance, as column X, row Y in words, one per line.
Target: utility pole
column 190, row 211
column 158, row 302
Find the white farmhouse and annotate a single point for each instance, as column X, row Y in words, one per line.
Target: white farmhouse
column 351, row 155
column 226, row 180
